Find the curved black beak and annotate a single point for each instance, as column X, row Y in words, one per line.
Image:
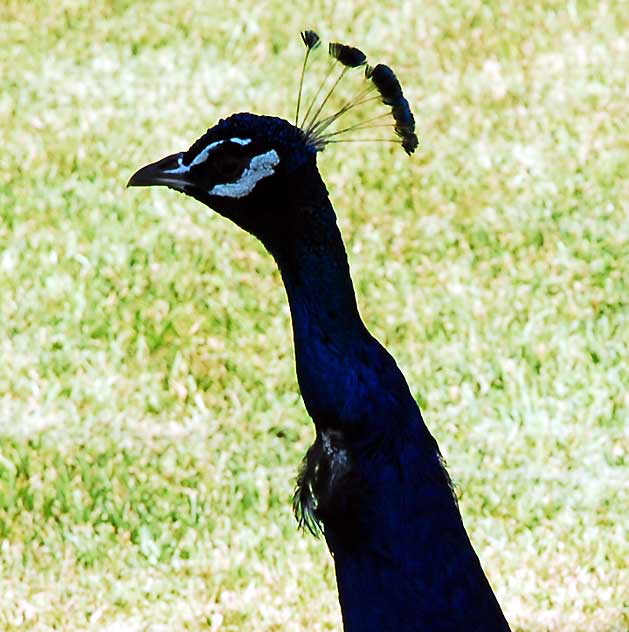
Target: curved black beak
column 168, row 171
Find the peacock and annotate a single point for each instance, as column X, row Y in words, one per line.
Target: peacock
column 373, row 483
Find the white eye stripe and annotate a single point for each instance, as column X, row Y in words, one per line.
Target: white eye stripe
column 202, row 156
column 260, row 167
column 180, row 169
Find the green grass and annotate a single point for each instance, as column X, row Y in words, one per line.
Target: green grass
column 150, row 426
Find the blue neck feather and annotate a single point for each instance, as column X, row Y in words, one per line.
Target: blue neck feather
column 374, row 479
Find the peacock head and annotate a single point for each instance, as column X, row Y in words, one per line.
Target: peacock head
column 254, row 169
column 243, row 167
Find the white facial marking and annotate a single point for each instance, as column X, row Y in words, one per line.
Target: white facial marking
column 203, row 155
column 180, row 169
column 260, row 167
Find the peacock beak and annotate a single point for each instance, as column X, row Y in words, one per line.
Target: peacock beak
column 169, row 171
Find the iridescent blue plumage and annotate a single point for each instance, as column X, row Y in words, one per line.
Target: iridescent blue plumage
column 374, row 480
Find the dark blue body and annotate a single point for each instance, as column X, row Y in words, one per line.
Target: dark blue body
column 403, row 558
column 373, row 481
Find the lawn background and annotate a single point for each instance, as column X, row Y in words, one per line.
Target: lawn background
column 150, row 426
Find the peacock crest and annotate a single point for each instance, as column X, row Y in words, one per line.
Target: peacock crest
column 379, row 84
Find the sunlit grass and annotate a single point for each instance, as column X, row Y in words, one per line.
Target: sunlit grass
column 150, row 427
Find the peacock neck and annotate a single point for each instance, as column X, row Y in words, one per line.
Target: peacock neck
column 320, row 290
column 329, row 334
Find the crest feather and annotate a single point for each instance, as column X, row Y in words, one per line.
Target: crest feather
column 310, row 39
column 347, row 55
column 381, row 79
column 390, row 92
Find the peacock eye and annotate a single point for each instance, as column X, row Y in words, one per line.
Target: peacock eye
column 229, row 166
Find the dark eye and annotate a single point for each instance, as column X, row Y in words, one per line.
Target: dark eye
column 229, row 166
column 226, row 162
